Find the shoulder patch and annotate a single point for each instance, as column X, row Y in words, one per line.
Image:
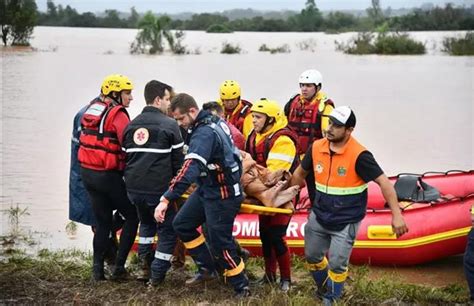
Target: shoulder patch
column 140, row 137
column 225, row 128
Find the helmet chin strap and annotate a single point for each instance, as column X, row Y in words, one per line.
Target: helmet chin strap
column 267, row 123
column 116, row 99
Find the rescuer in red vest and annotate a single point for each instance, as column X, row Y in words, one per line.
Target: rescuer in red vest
column 307, row 114
column 102, row 163
column 236, row 109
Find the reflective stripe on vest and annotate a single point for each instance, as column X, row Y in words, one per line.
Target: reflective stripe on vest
column 340, row 190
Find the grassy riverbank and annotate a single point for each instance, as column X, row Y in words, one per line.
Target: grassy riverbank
column 65, row 277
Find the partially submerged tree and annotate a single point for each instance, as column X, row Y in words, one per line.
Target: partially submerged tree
column 17, row 20
column 153, row 33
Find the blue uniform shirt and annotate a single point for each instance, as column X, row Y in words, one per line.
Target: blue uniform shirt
column 209, row 148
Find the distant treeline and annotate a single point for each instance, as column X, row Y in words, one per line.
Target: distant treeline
column 310, row 19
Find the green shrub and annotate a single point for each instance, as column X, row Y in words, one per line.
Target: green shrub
column 285, row 48
column 218, row 28
column 398, row 44
column 361, row 44
column 459, row 46
column 228, row 48
column 264, row 48
column 384, row 43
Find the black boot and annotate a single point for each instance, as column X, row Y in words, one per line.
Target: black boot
column 98, row 268
column 143, row 272
column 119, row 273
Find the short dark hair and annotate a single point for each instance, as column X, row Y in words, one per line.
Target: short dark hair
column 155, row 89
column 213, row 106
column 183, row 102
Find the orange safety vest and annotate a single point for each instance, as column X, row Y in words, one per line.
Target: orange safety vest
column 341, row 194
column 99, row 145
column 237, row 118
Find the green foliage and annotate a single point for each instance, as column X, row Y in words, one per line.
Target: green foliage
column 154, row 31
column 398, row 44
column 285, row 48
column 309, row 19
column 389, row 44
column 218, row 28
column 448, row 18
column 338, row 21
column 17, row 21
column 204, row 21
column 459, row 46
column 69, row 17
column 361, row 44
column 228, row 48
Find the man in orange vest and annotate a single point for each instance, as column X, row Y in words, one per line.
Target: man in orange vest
column 237, row 110
column 342, row 168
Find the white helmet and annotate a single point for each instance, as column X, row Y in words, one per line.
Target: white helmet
column 311, row 76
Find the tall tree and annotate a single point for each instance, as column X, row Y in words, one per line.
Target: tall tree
column 153, row 31
column 375, row 13
column 310, row 19
column 17, row 20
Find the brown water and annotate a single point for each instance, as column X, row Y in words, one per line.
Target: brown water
column 414, row 112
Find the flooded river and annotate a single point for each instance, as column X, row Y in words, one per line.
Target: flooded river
column 414, row 112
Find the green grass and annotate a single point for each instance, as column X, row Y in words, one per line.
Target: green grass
column 62, row 277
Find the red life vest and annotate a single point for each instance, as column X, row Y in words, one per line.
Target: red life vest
column 237, row 117
column 99, row 145
column 305, row 120
column 260, row 152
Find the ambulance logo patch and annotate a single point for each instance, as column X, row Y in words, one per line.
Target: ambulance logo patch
column 341, row 171
column 140, row 137
column 319, row 168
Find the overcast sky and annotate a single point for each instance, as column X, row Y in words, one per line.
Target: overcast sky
column 177, row 6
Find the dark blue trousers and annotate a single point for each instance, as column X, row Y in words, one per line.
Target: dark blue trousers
column 219, row 216
column 161, row 261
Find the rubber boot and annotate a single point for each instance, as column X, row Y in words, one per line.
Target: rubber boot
column 320, row 278
column 334, row 287
column 206, row 268
column 143, row 272
column 98, row 268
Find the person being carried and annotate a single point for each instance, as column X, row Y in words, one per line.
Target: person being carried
column 154, row 149
column 342, row 168
column 213, row 162
column 273, row 146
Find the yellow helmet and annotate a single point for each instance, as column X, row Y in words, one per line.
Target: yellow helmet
column 268, row 107
column 229, row 90
column 115, row 82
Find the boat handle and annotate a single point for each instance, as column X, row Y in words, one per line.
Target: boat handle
column 380, row 232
